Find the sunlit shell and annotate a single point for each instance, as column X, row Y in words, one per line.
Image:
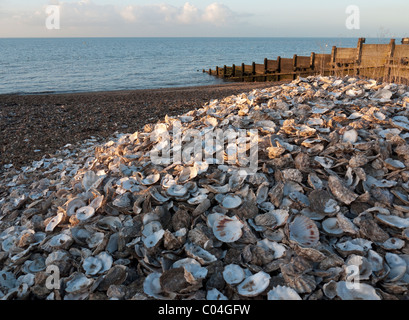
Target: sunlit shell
column 85, row 213
column 283, row 293
column 54, row 222
column 304, row 231
column 73, row 205
column 254, row 285
column 227, row 229
column 233, row 274
column 188, row 173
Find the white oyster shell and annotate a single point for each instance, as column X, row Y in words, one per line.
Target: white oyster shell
column 233, row 274
column 361, row 291
column 283, row 293
column 254, row 285
column 227, row 229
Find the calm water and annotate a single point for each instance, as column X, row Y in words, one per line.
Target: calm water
column 107, row 64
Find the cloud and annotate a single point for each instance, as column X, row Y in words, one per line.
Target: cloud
column 87, row 18
column 217, row 14
column 214, row 14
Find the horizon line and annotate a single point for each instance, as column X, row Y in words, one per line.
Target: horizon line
column 203, row 37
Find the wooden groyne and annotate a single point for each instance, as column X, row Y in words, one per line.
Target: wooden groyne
column 384, row 62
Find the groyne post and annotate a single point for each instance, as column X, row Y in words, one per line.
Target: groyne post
column 358, row 61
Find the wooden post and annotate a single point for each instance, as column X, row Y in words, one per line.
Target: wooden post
column 333, row 59
column 217, row 71
column 278, row 67
column 294, row 66
column 224, row 71
column 243, row 71
column 390, row 62
column 312, row 61
column 253, row 68
column 233, row 71
column 265, row 65
column 361, row 41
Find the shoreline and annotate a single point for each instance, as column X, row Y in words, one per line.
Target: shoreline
column 35, row 125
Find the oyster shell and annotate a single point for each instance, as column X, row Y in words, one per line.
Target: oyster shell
column 328, row 192
column 254, row 285
column 304, row 231
column 227, row 229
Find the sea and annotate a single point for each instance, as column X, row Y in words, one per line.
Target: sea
column 69, row 65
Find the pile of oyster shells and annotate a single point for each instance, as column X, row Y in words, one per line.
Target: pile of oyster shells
column 326, row 216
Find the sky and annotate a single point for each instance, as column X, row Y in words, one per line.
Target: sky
column 204, row 18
